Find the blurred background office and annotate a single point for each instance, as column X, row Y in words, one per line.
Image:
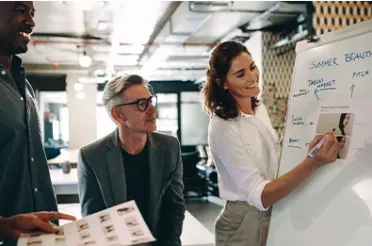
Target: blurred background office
column 78, row 46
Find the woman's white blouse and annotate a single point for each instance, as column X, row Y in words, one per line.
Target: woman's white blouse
column 244, row 152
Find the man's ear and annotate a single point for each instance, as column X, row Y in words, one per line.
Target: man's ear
column 116, row 115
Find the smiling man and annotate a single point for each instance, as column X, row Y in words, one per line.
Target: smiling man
column 25, row 184
column 135, row 163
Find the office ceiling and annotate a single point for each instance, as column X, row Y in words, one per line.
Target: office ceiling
column 161, row 40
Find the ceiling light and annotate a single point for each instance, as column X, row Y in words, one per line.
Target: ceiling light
column 160, row 55
column 85, row 60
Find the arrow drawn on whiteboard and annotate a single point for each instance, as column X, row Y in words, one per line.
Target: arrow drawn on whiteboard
column 316, row 93
column 352, row 90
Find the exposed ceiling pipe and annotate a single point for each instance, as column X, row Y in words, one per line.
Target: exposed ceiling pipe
column 67, row 35
column 115, row 41
column 125, row 29
column 167, row 15
column 91, row 42
column 300, row 35
column 261, row 21
column 78, row 69
column 180, row 25
column 218, row 7
column 157, row 75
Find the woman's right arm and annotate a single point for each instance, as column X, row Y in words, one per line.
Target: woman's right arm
column 282, row 186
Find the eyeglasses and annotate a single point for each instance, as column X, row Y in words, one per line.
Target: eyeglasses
column 142, row 104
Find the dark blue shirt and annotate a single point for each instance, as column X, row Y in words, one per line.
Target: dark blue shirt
column 25, row 184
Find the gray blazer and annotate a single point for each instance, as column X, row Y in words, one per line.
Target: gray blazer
column 102, row 183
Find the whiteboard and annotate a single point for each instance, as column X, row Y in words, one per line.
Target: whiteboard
column 334, row 206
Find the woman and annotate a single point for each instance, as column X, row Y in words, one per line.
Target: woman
column 344, row 121
column 242, row 143
column 342, row 140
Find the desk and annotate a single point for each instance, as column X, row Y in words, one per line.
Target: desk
column 193, row 234
column 64, row 184
column 67, row 155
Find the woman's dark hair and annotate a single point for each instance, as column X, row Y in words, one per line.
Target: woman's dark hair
column 215, row 99
column 339, row 139
column 341, row 123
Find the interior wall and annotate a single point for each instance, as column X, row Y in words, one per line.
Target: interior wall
column 333, row 15
column 276, row 74
column 254, row 44
column 82, row 114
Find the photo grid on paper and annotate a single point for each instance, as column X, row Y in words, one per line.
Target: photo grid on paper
column 132, row 223
column 102, row 228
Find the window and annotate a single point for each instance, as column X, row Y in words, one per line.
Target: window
column 54, row 118
column 167, row 113
column 105, row 125
column 194, row 121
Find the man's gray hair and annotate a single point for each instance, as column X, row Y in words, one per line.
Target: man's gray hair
column 114, row 89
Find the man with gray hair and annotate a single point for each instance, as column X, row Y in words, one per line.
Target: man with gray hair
column 134, row 163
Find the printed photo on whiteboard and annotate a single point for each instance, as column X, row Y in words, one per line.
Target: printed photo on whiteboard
column 342, row 154
column 341, row 124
